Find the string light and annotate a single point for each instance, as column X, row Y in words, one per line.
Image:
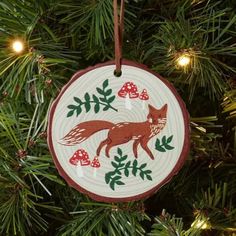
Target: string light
column 17, row 46
column 200, row 224
column 183, row 60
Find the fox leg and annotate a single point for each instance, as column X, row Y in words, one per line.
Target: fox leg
column 102, row 144
column 135, row 147
column 111, row 144
column 146, row 148
column 108, row 147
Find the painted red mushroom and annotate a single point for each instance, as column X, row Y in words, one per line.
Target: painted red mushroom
column 80, row 158
column 95, row 164
column 128, row 91
column 144, row 97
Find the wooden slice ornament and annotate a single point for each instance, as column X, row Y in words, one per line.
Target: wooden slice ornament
column 118, row 138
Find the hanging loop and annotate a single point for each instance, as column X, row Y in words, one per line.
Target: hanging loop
column 118, row 33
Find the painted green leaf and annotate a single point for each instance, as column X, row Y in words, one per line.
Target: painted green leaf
column 127, row 165
column 135, row 163
column 70, row 113
column 170, row 139
column 72, row 107
column 123, row 158
column 120, row 183
column 105, row 84
column 149, row 177
column 87, row 97
column 163, row 139
column 148, row 171
column 117, row 178
column 160, row 149
column 142, row 175
column 87, row 106
column 119, row 151
column 117, row 158
column 114, row 164
column 106, row 108
column 78, row 100
column 100, row 91
column 107, row 177
column 121, row 165
column 108, row 92
column 158, row 142
column 112, row 185
column 111, row 99
column 95, row 99
column 96, row 108
column 143, row 166
column 114, row 181
column 78, row 110
column 126, row 172
column 103, row 100
column 168, row 147
column 134, row 171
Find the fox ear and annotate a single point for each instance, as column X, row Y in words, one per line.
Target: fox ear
column 164, row 108
column 151, row 108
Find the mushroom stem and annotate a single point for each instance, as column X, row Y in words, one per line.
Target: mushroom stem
column 143, row 104
column 95, row 172
column 79, row 171
column 128, row 102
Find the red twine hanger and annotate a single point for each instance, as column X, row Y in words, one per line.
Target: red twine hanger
column 118, row 32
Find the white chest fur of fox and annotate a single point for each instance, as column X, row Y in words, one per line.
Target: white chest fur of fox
column 155, row 129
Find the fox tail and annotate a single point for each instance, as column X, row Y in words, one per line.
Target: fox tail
column 84, row 130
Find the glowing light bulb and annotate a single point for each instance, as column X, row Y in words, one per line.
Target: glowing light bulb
column 200, row 224
column 183, row 60
column 17, row 46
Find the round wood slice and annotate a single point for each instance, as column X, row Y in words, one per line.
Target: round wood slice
column 118, row 138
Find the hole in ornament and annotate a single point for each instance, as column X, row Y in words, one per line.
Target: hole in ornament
column 117, row 73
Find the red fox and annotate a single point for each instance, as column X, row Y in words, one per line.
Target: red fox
column 120, row 133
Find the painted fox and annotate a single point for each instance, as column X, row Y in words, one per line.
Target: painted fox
column 139, row 132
